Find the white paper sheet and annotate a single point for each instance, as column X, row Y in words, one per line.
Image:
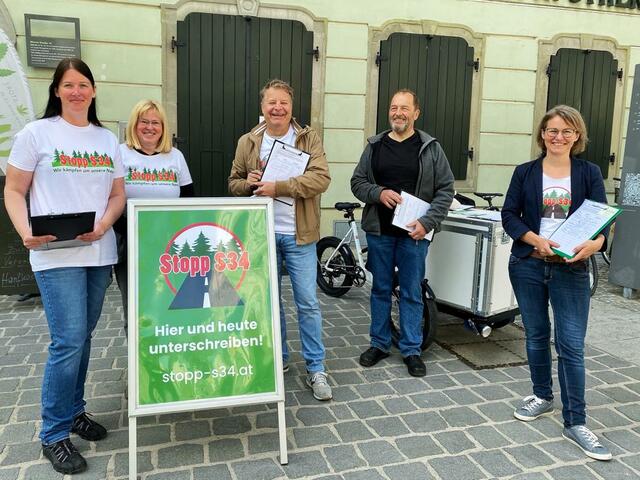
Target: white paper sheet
column 285, row 162
column 411, row 209
column 581, row 226
column 486, row 215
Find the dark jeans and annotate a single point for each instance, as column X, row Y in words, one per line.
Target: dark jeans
column 537, row 283
column 121, row 272
column 385, row 254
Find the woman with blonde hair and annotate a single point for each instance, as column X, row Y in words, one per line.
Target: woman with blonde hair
column 152, row 169
column 557, row 181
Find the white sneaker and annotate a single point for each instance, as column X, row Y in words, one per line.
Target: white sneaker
column 318, row 383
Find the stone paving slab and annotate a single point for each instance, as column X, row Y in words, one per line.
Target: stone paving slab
column 455, row 423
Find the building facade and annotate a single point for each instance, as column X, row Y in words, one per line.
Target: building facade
column 486, row 71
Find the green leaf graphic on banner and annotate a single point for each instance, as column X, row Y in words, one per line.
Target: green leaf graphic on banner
column 5, row 72
column 3, row 50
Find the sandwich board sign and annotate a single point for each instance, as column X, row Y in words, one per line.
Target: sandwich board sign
column 204, row 326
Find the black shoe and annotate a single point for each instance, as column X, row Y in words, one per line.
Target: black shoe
column 88, row 429
column 415, row 366
column 64, row 457
column 372, row 356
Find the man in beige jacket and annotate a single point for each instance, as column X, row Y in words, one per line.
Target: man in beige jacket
column 297, row 226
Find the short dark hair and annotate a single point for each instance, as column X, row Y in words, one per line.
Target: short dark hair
column 276, row 83
column 54, row 106
column 571, row 117
column 416, row 101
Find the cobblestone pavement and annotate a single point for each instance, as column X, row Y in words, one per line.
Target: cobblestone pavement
column 455, row 424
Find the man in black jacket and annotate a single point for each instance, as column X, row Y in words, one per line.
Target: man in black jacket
column 400, row 159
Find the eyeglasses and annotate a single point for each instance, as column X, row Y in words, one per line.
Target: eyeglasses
column 153, row 123
column 553, row 132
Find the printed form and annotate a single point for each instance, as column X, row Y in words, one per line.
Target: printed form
column 284, row 162
column 409, row 210
column 584, row 224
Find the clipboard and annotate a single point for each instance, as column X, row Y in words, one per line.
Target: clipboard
column 278, row 168
column 65, row 227
column 608, row 213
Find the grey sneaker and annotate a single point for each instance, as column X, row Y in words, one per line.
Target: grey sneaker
column 285, row 366
column 533, row 407
column 587, row 441
column 318, row 383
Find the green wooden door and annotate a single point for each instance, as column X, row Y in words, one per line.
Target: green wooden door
column 223, row 62
column 586, row 80
column 440, row 70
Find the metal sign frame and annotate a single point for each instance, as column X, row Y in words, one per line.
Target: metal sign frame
column 136, row 206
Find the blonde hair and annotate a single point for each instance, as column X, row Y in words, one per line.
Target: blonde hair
column 142, row 107
column 279, row 84
column 571, row 117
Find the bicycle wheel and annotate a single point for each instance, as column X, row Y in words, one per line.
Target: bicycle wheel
column 336, row 280
column 429, row 315
column 607, row 254
column 593, row 274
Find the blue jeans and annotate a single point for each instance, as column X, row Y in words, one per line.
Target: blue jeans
column 72, row 298
column 385, row 254
column 537, row 283
column 301, row 262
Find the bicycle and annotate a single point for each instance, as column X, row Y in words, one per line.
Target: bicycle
column 594, row 275
column 339, row 270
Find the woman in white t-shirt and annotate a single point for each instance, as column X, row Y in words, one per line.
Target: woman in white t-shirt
column 152, row 169
column 68, row 163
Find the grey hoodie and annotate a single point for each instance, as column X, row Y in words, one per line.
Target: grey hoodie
column 434, row 184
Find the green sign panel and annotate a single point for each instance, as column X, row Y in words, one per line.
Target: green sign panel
column 205, row 304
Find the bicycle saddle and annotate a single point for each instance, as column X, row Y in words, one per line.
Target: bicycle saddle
column 346, row 206
column 487, row 197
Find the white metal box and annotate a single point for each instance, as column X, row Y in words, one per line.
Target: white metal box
column 467, row 265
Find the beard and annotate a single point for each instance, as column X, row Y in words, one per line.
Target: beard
column 399, row 128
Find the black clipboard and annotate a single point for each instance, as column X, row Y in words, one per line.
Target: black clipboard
column 65, row 227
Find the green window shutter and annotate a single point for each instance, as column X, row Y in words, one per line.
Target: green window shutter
column 586, row 80
column 440, row 70
column 223, row 62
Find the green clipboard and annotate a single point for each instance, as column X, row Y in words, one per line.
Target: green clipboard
column 608, row 213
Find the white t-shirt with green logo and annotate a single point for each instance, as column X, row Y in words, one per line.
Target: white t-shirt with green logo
column 154, row 176
column 73, row 171
column 556, row 201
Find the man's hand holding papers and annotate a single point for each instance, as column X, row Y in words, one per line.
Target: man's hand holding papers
column 407, row 213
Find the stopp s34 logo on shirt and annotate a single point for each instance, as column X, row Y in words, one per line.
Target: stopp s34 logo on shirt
column 81, row 161
column 148, row 176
